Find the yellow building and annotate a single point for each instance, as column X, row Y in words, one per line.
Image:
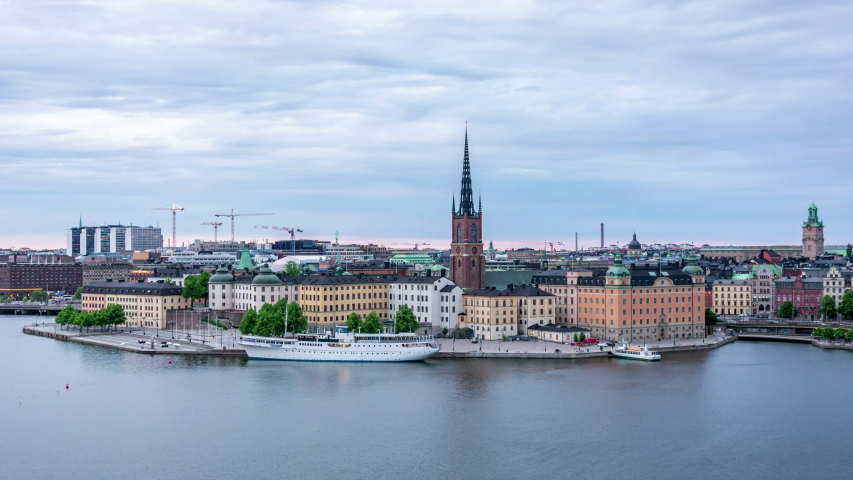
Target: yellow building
column 493, row 314
column 732, row 297
column 332, row 298
column 563, row 285
column 144, row 303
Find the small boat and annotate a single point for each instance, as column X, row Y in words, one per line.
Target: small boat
column 635, row 353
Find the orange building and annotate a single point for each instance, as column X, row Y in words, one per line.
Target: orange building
column 643, row 303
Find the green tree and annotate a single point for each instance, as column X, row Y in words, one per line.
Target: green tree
column 191, row 288
column 247, row 324
column 78, row 294
column 711, row 318
column 354, row 322
column 405, row 321
column 67, row 316
column 849, row 336
column 849, row 253
column 575, row 338
column 38, row 296
column 786, row 310
column 203, row 288
column 84, row 320
column 582, row 337
column 828, row 333
column 841, row 333
column 291, row 268
column 115, row 315
column 265, row 326
column 296, row 321
column 100, row 318
column 372, row 324
column 827, row 308
column 444, row 331
column 846, row 307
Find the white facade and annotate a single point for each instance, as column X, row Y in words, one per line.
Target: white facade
column 198, row 259
column 436, row 300
column 835, row 283
column 242, row 295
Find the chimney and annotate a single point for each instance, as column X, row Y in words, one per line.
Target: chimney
column 602, row 235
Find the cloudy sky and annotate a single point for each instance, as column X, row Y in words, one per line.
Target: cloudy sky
column 685, row 121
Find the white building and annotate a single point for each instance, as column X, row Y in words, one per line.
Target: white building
column 242, row 292
column 112, row 239
column 436, row 300
column 836, row 282
column 300, row 260
column 190, row 258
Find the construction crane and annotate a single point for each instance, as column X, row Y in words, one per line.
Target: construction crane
column 175, row 208
column 235, row 215
column 553, row 250
column 291, row 231
column 215, row 227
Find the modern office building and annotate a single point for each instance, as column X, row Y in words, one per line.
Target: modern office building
column 112, row 239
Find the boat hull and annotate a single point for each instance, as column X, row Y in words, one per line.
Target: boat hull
column 655, row 358
column 351, row 354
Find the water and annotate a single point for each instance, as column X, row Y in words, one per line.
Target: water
column 747, row 410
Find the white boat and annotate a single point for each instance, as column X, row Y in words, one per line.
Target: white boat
column 635, row 353
column 342, row 347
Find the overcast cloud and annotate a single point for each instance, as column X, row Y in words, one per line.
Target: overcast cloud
column 685, row 121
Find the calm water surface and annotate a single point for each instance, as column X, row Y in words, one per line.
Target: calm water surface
column 748, row 410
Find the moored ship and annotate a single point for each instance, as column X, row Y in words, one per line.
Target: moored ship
column 635, row 353
column 342, row 346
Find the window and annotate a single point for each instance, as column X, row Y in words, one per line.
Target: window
column 473, row 233
column 459, row 233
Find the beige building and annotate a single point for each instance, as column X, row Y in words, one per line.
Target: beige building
column 557, row 333
column 493, row 314
column 563, row 285
column 732, row 297
column 99, row 272
column 836, row 283
column 144, row 303
column 332, row 298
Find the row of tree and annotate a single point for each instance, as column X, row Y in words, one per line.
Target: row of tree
column 196, row 286
column 405, row 322
column 273, row 318
column 828, row 308
column 111, row 315
column 830, row 333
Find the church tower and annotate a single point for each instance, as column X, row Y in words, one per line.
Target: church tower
column 812, row 234
column 467, row 260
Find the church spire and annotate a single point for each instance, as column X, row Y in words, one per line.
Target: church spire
column 481, row 203
column 466, row 200
column 454, row 203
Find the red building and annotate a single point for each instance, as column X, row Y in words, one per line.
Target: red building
column 25, row 278
column 467, row 259
column 804, row 292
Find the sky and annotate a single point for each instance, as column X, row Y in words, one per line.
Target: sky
column 705, row 122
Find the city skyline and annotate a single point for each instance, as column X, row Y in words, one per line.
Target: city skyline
column 697, row 124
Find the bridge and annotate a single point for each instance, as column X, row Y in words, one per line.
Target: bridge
column 33, row 309
column 779, row 328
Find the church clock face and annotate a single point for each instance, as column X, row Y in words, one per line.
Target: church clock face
column 458, row 250
column 809, row 228
column 474, row 250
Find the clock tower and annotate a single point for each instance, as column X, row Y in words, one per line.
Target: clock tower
column 467, row 259
column 812, row 234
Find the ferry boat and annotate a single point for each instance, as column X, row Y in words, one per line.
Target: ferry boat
column 635, row 353
column 342, row 346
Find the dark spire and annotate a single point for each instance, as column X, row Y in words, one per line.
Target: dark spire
column 454, row 204
column 481, row 202
column 466, row 200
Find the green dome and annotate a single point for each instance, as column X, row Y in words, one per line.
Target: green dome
column 266, row 277
column 618, row 270
column 693, row 267
column 221, row 276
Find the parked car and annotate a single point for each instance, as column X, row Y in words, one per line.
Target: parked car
column 474, row 340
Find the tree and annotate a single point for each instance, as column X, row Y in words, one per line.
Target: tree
column 828, row 333
column 827, row 308
column 354, row 322
column 575, row 338
column 846, row 307
column 85, row 320
column 296, row 322
column 115, row 315
column 841, row 333
column 372, row 324
column 711, row 318
column 265, row 326
column 38, row 296
column 66, row 316
column 291, row 268
column 250, row 319
column 444, row 331
column 405, row 321
column 849, row 252
column 78, row 294
column 191, row 287
column 849, row 335
column 203, row 289
column 786, row 310
column 582, row 337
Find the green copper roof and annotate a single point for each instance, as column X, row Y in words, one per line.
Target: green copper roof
column 246, row 260
column 618, row 270
column 412, row 258
column 221, row 276
column 813, row 220
column 692, row 267
column 266, row 277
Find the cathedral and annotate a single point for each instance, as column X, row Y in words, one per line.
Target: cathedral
column 467, row 259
